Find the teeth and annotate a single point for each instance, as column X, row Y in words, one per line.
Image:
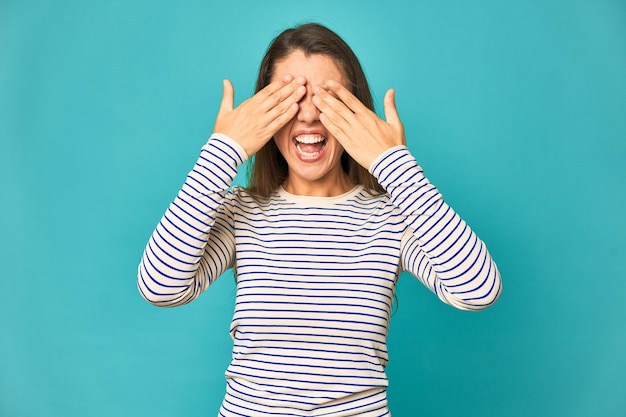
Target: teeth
column 309, row 154
column 310, row 138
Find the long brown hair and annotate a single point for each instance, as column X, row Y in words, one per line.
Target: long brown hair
column 269, row 168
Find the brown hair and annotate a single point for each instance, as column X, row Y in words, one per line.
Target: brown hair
column 269, row 168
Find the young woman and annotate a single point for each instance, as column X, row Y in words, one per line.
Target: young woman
column 336, row 208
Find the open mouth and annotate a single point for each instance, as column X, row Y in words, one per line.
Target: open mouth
column 310, row 146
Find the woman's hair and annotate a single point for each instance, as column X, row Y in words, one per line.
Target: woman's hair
column 269, row 168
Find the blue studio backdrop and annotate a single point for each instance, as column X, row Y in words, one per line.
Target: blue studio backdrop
column 516, row 111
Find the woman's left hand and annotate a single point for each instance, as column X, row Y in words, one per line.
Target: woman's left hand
column 363, row 134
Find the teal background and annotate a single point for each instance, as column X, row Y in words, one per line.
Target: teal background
column 516, row 110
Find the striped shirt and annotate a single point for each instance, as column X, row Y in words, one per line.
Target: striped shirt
column 315, row 278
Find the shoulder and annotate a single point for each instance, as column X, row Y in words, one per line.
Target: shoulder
column 365, row 197
column 369, row 202
column 240, row 197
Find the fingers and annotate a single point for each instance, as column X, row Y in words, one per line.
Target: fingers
column 281, row 119
column 253, row 122
column 228, row 98
column 274, row 106
column 285, row 97
column 391, row 111
column 362, row 133
column 282, row 105
column 332, row 107
column 290, row 104
column 334, row 115
column 344, row 95
column 279, row 91
column 340, row 117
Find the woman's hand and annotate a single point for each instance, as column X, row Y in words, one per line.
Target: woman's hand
column 253, row 123
column 360, row 131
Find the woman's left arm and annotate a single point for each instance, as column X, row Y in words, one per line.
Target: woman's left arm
column 441, row 249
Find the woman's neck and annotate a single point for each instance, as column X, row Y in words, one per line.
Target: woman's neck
column 324, row 187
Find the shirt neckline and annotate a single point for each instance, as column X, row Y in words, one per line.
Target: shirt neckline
column 319, row 200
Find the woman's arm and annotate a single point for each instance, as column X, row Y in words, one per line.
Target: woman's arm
column 442, row 251
column 193, row 244
column 440, row 248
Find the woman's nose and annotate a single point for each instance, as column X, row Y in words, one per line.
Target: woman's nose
column 308, row 111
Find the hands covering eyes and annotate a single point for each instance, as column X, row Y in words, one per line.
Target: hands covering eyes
column 360, row 131
column 253, row 123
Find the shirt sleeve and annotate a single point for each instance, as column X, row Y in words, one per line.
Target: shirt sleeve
column 439, row 248
column 193, row 244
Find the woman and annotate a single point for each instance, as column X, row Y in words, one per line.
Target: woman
column 336, row 208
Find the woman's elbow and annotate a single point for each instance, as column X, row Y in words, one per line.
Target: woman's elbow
column 161, row 296
column 479, row 299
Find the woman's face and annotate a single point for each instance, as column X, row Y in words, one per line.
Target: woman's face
column 312, row 153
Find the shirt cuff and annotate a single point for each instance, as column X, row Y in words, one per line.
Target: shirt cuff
column 236, row 147
column 382, row 156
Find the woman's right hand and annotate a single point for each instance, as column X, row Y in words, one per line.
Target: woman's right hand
column 253, row 123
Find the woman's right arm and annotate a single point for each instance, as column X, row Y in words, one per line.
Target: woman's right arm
column 193, row 244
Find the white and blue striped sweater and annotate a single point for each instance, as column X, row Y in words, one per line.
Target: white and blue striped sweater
column 315, row 278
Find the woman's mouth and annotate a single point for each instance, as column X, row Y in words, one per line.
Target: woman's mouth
column 310, row 146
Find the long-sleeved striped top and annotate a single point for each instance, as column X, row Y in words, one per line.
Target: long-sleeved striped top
column 315, row 278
